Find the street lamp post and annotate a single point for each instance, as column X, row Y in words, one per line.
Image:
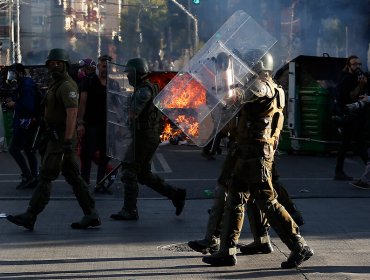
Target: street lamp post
column 196, row 36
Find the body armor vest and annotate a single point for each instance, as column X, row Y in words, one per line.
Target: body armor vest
column 262, row 120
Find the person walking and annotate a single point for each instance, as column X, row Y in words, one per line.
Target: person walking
column 60, row 153
column 258, row 130
column 145, row 128
column 257, row 220
column 26, row 105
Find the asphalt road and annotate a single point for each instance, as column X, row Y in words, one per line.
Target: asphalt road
column 336, row 214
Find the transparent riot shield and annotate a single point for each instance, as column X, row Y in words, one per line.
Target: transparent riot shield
column 119, row 127
column 203, row 97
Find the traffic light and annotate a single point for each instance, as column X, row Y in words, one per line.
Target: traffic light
column 196, row 2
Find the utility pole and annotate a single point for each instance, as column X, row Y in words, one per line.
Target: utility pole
column 99, row 31
column 11, row 32
column 18, row 55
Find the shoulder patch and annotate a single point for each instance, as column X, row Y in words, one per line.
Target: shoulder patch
column 72, row 94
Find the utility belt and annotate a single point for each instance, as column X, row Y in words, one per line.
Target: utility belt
column 54, row 132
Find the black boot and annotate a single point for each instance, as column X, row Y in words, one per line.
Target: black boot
column 126, row 215
column 89, row 220
column 26, row 220
column 179, row 200
column 300, row 252
column 221, row 258
column 256, row 248
column 205, row 246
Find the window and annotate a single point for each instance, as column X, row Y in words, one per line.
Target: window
column 38, row 20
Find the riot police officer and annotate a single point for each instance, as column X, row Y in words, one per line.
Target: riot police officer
column 60, row 154
column 258, row 130
column 146, row 129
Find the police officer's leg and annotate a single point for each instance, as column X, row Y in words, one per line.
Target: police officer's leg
column 130, row 168
column 232, row 223
column 50, row 170
column 211, row 242
column 259, row 228
column 156, row 183
column 285, row 200
column 129, row 210
column 281, row 222
column 144, row 156
column 31, row 157
column 129, row 180
column 80, row 189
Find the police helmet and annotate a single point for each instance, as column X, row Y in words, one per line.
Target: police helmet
column 259, row 60
column 140, row 65
column 58, row 55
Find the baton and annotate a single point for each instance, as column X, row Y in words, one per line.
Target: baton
column 35, row 138
column 110, row 173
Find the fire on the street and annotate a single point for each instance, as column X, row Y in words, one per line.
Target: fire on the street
column 186, row 96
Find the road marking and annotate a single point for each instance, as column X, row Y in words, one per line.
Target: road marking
column 164, row 166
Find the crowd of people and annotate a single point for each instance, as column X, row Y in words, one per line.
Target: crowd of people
column 73, row 114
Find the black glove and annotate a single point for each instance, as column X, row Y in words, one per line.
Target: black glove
column 67, row 146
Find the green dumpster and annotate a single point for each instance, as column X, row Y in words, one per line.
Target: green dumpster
column 309, row 84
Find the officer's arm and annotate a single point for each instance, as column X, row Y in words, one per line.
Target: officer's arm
column 258, row 90
column 142, row 97
column 70, row 123
column 70, row 101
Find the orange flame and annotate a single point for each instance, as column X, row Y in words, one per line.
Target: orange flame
column 186, row 92
column 189, row 124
